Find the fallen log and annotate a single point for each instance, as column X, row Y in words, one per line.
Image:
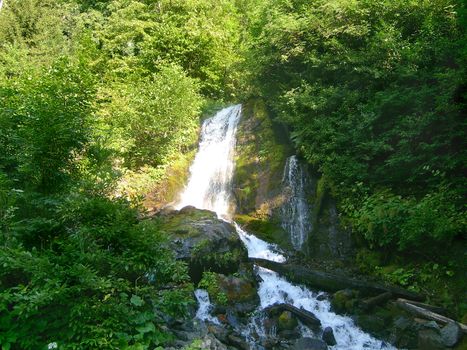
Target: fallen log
column 427, row 314
column 303, row 315
column 332, row 282
column 435, row 309
column 377, row 300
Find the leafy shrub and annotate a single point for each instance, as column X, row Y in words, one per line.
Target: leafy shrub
column 101, row 279
column 388, row 220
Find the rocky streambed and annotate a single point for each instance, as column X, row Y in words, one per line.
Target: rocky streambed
column 243, row 303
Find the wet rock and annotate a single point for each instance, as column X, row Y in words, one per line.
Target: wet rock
column 286, row 321
column 430, row 339
column 451, row 334
column 330, row 240
column 270, row 342
column 209, row 342
column 203, row 241
column 241, row 293
column 219, row 332
column 328, row 336
column 310, row 344
column 307, row 317
column 237, row 342
column 404, row 333
column 345, row 301
column 371, row 323
column 270, row 325
column 290, row 334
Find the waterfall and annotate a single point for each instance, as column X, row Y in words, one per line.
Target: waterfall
column 205, row 307
column 209, row 187
column 295, row 213
column 212, row 169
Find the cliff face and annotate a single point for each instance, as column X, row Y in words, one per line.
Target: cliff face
column 261, row 193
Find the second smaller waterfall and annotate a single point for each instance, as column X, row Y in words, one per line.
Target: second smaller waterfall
column 295, row 212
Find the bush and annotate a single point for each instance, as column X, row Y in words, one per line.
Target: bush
column 388, row 220
column 99, row 279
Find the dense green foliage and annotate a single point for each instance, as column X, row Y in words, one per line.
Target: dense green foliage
column 374, row 93
column 374, row 96
column 88, row 91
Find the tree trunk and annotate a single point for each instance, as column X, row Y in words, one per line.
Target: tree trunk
column 330, row 282
column 427, row 314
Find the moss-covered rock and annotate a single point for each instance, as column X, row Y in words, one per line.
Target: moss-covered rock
column 345, row 301
column 269, row 229
column 205, row 242
column 286, row 321
column 238, row 294
column 261, row 152
column 172, row 180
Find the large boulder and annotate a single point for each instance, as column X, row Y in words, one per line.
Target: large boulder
column 287, row 321
column 240, row 292
column 429, row 337
column 345, row 301
column 451, row 334
column 204, row 241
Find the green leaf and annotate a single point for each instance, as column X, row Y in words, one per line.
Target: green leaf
column 136, row 300
column 147, row 328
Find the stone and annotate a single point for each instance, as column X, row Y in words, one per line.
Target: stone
column 203, row 241
column 219, row 332
column 451, row 334
column 344, row 300
column 430, row 339
column 241, row 293
column 269, row 343
column 287, row 321
column 237, row 342
column 310, row 344
column 209, row 342
column 402, row 323
column 328, row 336
column 290, row 334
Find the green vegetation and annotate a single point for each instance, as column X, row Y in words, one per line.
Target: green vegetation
column 374, row 93
column 210, row 282
column 100, row 103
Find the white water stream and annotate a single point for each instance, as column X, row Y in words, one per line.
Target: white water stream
column 209, row 188
column 295, row 213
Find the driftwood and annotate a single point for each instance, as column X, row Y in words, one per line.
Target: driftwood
column 377, row 300
column 303, row 315
column 435, row 309
column 331, row 282
column 427, row 314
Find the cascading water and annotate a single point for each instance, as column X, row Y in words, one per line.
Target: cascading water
column 211, row 172
column 205, row 306
column 295, row 213
column 209, row 188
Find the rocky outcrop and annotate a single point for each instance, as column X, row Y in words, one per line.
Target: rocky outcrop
column 260, row 156
column 262, row 150
column 205, row 242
